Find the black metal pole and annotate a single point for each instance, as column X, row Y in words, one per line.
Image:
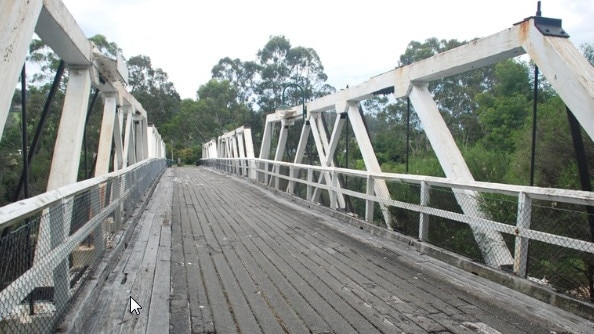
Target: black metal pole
column 94, row 99
column 582, row 162
column 41, row 124
column 25, row 172
column 24, row 139
column 348, row 206
column 534, row 112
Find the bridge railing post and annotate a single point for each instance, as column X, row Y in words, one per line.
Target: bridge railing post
column 309, row 181
column 423, row 217
column 59, row 220
column 277, row 174
column 291, row 186
column 523, row 220
column 116, row 188
column 333, row 190
column 369, row 203
column 98, row 233
column 252, row 170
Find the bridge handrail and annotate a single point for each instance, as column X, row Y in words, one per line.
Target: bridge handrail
column 71, row 228
column 269, row 172
column 17, row 211
column 578, row 197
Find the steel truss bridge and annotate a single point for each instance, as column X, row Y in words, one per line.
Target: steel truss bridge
column 258, row 244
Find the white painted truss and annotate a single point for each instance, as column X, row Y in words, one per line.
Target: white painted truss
column 87, row 69
column 569, row 73
column 52, row 22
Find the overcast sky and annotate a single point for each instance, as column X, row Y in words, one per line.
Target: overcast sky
column 355, row 40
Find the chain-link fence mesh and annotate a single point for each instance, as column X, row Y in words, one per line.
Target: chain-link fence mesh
column 48, row 256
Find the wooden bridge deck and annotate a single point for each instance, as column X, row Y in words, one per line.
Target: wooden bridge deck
column 216, row 255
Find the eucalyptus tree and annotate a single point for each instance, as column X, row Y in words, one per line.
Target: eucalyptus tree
column 152, row 88
column 242, row 75
column 260, row 82
column 281, row 64
column 454, row 95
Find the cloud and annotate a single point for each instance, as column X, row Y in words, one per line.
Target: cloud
column 187, row 38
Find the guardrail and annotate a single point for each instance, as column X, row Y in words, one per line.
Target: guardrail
column 50, row 243
column 548, row 230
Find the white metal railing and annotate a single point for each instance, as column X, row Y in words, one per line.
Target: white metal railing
column 66, row 232
column 519, row 232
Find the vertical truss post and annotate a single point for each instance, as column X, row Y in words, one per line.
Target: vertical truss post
column 128, row 131
column 66, row 158
column 235, row 149
column 241, row 147
column 118, row 160
column 280, row 151
column 249, row 151
column 64, row 171
column 303, row 139
column 139, row 131
column 107, row 134
column 145, row 150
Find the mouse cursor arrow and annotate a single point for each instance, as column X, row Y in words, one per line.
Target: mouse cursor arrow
column 134, row 306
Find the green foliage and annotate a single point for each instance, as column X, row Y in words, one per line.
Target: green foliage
column 46, row 60
column 216, row 111
column 107, row 48
column 260, row 83
column 588, row 51
column 152, row 88
column 503, row 112
column 486, row 165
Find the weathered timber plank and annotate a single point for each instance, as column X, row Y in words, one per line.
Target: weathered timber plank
column 142, row 280
column 319, row 278
column 286, row 264
column 238, row 303
column 222, row 316
column 279, row 274
column 158, row 312
column 200, row 309
column 252, row 262
column 179, row 306
column 266, row 319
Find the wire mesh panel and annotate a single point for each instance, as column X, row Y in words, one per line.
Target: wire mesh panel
column 562, row 263
column 403, row 220
column 48, row 255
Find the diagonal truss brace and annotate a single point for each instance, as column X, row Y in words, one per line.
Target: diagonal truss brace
column 371, row 164
column 490, row 242
column 326, row 151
